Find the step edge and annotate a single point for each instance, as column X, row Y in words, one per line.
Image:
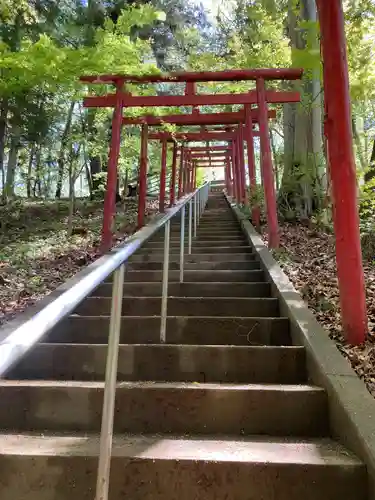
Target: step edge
column 165, row 385
column 335, row 455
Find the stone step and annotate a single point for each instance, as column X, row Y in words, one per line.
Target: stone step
column 238, row 238
column 177, row 230
column 205, row 235
column 219, row 222
column 190, row 258
column 165, row 407
column 207, row 222
column 218, row 217
column 161, row 467
column 198, row 243
column 177, row 363
column 180, row 330
column 142, row 289
column 184, row 306
column 211, row 275
column 191, row 266
column 218, row 225
column 197, row 249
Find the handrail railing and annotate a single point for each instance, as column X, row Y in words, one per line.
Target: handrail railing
column 199, row 198
column 25, row 337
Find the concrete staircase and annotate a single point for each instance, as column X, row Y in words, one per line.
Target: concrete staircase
column 224, row 410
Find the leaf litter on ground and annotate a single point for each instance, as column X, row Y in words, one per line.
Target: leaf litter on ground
column 307, row 256
column 35, row 254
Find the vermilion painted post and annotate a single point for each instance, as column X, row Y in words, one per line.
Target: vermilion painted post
column 242, row 164
column 142, row 177
column 229, row 176
column 255, row 211
column 226, row 177
column 189, row 176
column 110, row 194
column 163, row 174
column 266, row 164
column 343, row 172
column 239, row 172
column 235, row 168
column 181, row 172
column 238, row 179
column 234, row 187
column 186, row 173
column 235, row 173
column 173, row 176
column 185, row 176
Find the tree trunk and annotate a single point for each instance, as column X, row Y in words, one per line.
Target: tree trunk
column 303, row 159
column 358, row 144
column 38, row 172
column 370, row 171
column 289, row 126
column 126, row 182
column 316, row 112
column 95, row 169
column 12, row 162
column 29, row 170
column 275, row 160
column 61, row 157
column 71, row 198
column 88, row 177
column 3, row 129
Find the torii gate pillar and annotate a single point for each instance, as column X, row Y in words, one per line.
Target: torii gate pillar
column 142, row 177
column 342, row 171
column 110, row 193
column 181, row 173
column 173, row 176
column 255, row 211
column 266, row 166
column 163, row 175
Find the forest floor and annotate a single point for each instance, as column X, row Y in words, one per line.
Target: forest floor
column 36, row 255
column 307, row 256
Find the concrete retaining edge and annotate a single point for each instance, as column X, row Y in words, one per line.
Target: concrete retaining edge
column 351, row 406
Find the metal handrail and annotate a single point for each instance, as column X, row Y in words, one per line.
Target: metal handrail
column 22, row 339
column 199, row 198
column 25, row 337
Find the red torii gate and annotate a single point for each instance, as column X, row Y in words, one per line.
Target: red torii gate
column 222, row 134
column 122, row 99
column 220, row 160
column 337, row 129
column 187, row 172
column 195, row 118
column 205, row 134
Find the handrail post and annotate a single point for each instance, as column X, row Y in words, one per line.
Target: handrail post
column 190, row 225
column 106, row 433
column 164, row 298
column 182, row 244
